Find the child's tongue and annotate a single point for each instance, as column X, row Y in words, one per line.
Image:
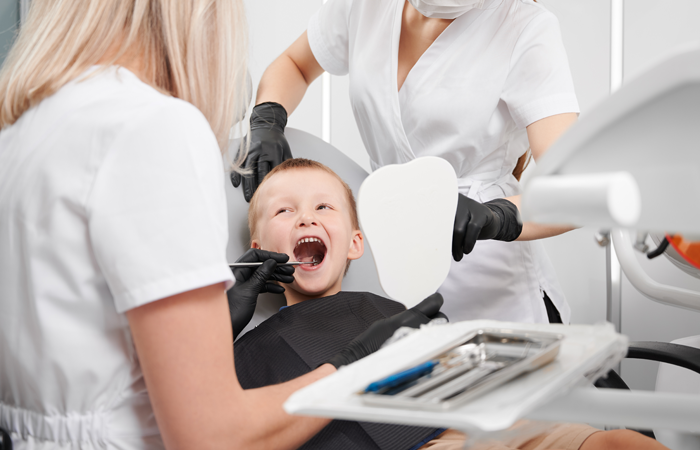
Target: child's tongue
column 310, row 252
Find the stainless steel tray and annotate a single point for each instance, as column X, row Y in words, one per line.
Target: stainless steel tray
column 485, row 359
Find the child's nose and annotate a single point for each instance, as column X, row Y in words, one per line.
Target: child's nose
column 306, row 219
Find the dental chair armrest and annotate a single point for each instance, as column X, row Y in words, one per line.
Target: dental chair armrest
column 676, row 354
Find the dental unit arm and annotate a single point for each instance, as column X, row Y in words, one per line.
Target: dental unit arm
column 632, row 163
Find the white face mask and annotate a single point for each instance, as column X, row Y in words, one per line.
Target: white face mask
column 445, row 9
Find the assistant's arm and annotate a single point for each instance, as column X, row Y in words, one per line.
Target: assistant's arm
column 185, row 348
column 285, row 81
column 280, row 91
column 542, row 134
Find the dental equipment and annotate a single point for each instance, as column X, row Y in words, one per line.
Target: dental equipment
column 290, row 263
column 648, row 131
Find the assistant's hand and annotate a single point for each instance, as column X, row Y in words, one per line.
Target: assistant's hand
column 252, row 281
column 498, row 219
column 268, row 146
column 373, row 337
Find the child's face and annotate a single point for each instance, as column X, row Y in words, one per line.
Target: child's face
column 305, row 214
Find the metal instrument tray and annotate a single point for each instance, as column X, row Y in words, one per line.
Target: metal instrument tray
column 484, row 360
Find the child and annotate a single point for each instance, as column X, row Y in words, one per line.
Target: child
column 304, row 209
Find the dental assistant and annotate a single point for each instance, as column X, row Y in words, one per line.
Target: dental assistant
column 476, row 82
column 114, row 322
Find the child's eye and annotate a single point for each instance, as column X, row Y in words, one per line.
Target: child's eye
column 282, row 210
column 324, row 206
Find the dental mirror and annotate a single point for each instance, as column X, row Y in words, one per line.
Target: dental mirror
column 407, row 213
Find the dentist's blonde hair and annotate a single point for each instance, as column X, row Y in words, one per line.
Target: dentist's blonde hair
column 195, row 50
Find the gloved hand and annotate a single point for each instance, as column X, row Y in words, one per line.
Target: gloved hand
column 498, row 219
column 268, row 146
column 373, row 337
column 252, row 281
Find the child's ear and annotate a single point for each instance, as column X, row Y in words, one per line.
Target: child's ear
column 357, row 245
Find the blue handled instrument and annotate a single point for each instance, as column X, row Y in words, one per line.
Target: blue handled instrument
column 406, row 376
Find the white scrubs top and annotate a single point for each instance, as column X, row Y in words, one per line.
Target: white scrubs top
column 111, row 197
column 468, row 99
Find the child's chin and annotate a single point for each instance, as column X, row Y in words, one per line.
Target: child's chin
column 311, row 289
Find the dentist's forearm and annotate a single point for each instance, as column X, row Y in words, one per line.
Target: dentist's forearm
column 285, row 81
column 185, row 347
column 281, row 430
column 532, row 231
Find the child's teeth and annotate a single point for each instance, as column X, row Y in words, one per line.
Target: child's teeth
column 307, row 240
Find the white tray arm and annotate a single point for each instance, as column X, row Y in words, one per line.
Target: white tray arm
column 668, row 295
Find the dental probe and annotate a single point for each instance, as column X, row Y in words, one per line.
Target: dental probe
column 253, row 264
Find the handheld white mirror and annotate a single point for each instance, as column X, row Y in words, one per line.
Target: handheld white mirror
column 407, row 214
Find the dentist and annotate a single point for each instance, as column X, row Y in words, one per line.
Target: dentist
column 481, row 83
column 114, row 323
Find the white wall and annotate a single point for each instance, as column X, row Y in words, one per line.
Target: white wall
column 274, row 25
column 652, row 29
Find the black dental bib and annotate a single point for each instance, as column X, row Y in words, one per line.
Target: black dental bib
column 300, row 338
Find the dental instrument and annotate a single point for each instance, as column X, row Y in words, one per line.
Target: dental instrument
column 290, row 263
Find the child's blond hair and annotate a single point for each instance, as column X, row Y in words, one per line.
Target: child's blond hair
column 300, row 163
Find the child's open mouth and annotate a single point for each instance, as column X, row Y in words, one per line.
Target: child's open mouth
column 310, row 249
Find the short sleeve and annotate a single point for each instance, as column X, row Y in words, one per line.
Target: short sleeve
column 539, row 82
column 157, row 210
column 328, row 35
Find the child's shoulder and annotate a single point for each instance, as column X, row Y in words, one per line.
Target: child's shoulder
column 386, row 306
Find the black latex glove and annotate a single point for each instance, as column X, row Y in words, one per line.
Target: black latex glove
column 498, row 219
column 5, row 441
column 377, row 333
column 268, row 146
column 252, row 281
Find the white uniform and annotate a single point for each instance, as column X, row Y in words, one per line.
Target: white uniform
column 111, row 196
column 468, row 99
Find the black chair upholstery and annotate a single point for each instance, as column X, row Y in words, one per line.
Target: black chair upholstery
column 676, row 354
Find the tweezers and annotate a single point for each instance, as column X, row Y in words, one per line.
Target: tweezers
column 254, row 264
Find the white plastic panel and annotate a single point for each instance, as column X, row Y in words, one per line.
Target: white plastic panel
column 408, row 225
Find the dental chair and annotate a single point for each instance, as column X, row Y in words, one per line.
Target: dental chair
column 362, row 275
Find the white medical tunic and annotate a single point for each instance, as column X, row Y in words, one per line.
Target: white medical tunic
column 492, row 72
column 111, row 196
